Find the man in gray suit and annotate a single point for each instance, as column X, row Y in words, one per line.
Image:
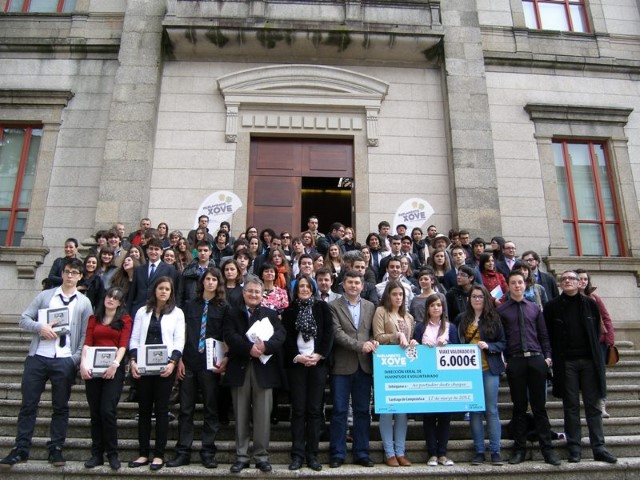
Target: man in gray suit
column 352, row 372
column 54, row 355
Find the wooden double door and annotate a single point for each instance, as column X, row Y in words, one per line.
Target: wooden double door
column 291, row 179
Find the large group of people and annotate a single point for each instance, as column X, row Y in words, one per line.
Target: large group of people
column 293, row 313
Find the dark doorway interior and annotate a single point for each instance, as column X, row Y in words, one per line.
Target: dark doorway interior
column 327, row 198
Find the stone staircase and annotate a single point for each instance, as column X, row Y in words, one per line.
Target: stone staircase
column 622, row 430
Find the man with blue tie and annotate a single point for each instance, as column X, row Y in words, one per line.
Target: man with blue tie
column 144, row 276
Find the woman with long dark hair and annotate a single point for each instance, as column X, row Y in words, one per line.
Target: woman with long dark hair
column 307, row 348
column 232, row 282
column 607, row 334
column 91, row 284
column 480, row 324
column 393, row 325
column 109, row 327
column 124, row 274
column 436, row 331
column 493, row 280
column 160, row 322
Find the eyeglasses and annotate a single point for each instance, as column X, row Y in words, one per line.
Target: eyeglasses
column 477, row 297
column 286, row 237
column 530, row 259
column 253, row 292
column 569, row 279
column 71, row 273
column 462, row 274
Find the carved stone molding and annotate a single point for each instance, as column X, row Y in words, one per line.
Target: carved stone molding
column 26, row 259
column 309, row 88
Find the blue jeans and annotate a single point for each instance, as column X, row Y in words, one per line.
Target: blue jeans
column 394, row 434
column 491, row 384
column 358, row 386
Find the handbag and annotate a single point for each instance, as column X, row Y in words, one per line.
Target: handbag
column 612, row 355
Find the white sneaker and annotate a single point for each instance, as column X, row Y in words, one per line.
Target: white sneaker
column 432, row 462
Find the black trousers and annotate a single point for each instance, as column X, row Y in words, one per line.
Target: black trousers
column 580, row 375
column 436, row 428
column 205, row 382
column 153, row 397
column 306, row 392
column 37, row 371
column 528, row 383
column 103, row 397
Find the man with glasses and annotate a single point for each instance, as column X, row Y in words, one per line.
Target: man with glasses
column 505, row 264
column 250, row 379
column 573, row 322
column 532, row 259
column 54, row 354
column 528, row 356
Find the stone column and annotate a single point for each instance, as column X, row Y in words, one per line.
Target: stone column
column 475, row 202
column 128, row 153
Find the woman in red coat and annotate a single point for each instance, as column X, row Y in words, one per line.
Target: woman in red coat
column 491, row 278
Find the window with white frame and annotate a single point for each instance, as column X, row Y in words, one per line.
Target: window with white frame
column 563, row 15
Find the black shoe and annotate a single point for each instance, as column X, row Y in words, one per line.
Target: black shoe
column 134, row 464
column 264, row 467
column 55, row 457
column 16, row 456
column 496, row 459
column 336, row 462
column 156, row 466
column 179, row 460
column 551, row 458
column 114, row 462
column 517, row 457
column 209, row 461
column 296, row 463
column 574, row 457
column 314, row 465
column 478, row 459
column 238, row 467
column 94, row 461
column 364, row 462
column 604, row 456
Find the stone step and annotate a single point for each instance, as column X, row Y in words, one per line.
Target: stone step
column 79, row 427
column 625, row 469
column 458, row 450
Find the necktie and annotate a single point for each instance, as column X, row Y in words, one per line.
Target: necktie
column 523, row 330
column 203, row 326
column 63, row 337
column 152, row 270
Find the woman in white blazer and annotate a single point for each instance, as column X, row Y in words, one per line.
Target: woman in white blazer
column 160, row 322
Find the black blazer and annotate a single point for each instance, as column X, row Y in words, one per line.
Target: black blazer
column 324, row 335
column 235, row 326
column 142, row 286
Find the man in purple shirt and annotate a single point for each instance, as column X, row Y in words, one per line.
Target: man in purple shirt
column 528, row 356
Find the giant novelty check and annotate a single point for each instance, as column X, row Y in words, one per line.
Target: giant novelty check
column 426, row 379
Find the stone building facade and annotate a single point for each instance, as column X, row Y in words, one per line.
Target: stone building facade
column 146, row 107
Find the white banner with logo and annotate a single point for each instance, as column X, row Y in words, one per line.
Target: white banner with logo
column 219, row 206
column 413, row 213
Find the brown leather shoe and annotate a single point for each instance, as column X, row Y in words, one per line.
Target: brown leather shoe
column 391, row 462
column 403, row 461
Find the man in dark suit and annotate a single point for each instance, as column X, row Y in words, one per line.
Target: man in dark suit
column 250, row 379
column 145, row 275
column 541, row 278
column 505, row 264
column 352, row 371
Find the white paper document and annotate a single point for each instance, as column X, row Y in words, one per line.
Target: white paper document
column 263, row 330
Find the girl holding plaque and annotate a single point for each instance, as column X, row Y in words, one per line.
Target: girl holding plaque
column 480, row 324
column 160, row 322
column 393, row 325
column 109, row 327
column 435, row 331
